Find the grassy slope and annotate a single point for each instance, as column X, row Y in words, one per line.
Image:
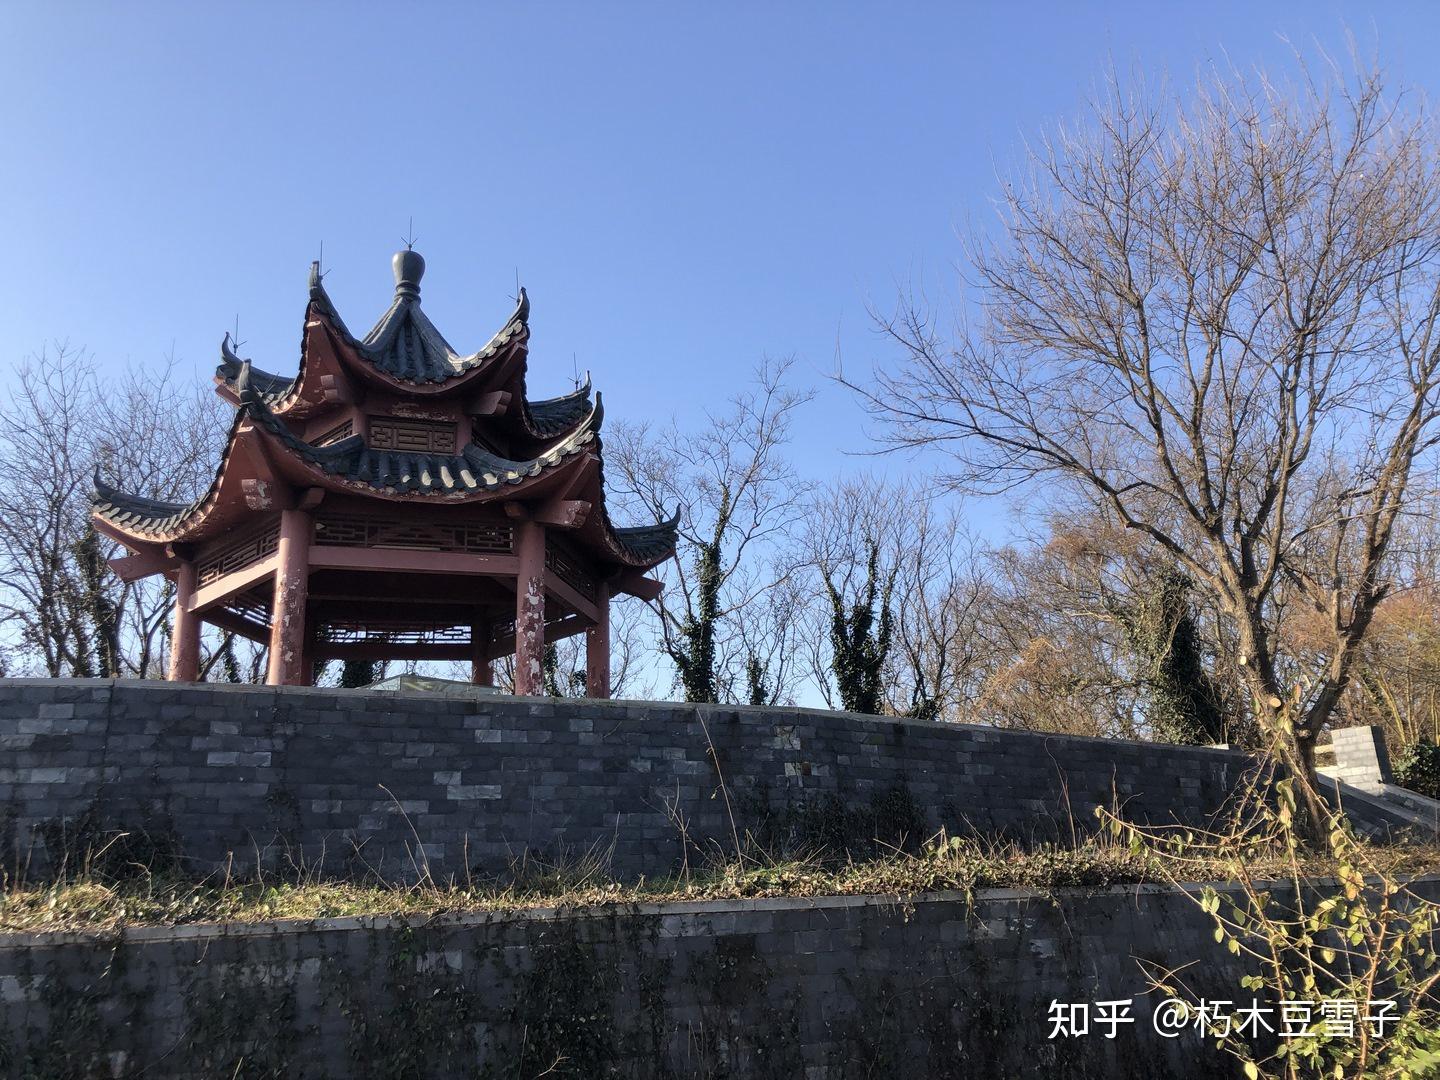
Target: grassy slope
column 96, row 904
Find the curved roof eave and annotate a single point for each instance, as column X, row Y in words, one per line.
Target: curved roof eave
column 155, row 521
column 550, row 417
column 643, row 546
column 275, row 389
column 471, row 475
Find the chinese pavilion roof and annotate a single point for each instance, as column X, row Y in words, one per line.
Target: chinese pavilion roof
column 403, row 359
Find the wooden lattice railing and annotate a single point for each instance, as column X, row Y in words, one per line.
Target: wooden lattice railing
column 238, row 554
column 474, row 538
column 568, row 568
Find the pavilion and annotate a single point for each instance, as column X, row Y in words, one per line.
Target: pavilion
column 395, row 500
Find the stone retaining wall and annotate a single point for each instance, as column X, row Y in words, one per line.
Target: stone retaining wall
column 824, row 989
column 361, row 781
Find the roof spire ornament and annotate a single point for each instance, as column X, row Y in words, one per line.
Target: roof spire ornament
column 409, row 268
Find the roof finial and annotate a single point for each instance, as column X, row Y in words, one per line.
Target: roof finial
column 409, row 269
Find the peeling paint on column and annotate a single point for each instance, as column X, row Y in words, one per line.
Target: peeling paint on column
column 532, row 642
column 530, row 611
column 292, row 590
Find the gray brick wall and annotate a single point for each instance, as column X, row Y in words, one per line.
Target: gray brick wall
column 367, row 781
column 821, row 989
column 1361, row 757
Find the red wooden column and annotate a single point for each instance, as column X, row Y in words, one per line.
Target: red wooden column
column 481, row 673
column 185, row 637
column 597, row 647
column 288, row 652
column 530, row 608
column 307, row 656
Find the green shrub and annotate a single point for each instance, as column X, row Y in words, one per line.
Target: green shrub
column 1418, row 768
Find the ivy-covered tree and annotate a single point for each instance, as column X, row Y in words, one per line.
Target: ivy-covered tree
column 1184, row 703
column 860, row 635
column 97, row 614
column 570, row 684
column 692, row 649
column 357, row 673
column 757, row 690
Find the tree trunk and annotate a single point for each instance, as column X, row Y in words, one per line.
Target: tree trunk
column 1291, row 736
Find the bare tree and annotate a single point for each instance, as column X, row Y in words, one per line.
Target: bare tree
column 1059, row 661
column 738, row 497
column 945, row 598
column 69, row 614
column 1220, row 316
column 768, row 641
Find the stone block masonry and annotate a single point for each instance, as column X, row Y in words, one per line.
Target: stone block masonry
column 1361, row 757
column 816, row 989
column 361, row 781
column 820, row 989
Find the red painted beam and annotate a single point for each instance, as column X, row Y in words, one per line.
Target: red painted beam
column 639, row 585
column 570, row 597
column 232, row 584
column 495, row 403
column 412, row 561
column 238, row 624
column 143, row 564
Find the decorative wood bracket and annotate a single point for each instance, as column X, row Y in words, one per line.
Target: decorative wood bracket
column 142, row 565
column 578, row 478
column 335, row 391
column 562, row 513
column 495, row 403
column 636, row 584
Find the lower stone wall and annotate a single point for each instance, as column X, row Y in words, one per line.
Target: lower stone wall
column 816, row 989
column 356, row 782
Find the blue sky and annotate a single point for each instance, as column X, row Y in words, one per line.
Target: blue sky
column 681, row 187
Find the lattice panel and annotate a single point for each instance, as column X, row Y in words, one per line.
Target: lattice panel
column 249, row 606
column 569, row 569
column 422, row 436
column 366, row 631
column 473, row 538
column 335, row 434
column 239, row 554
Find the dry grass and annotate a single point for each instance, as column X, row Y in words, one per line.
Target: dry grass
column 94, row 905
